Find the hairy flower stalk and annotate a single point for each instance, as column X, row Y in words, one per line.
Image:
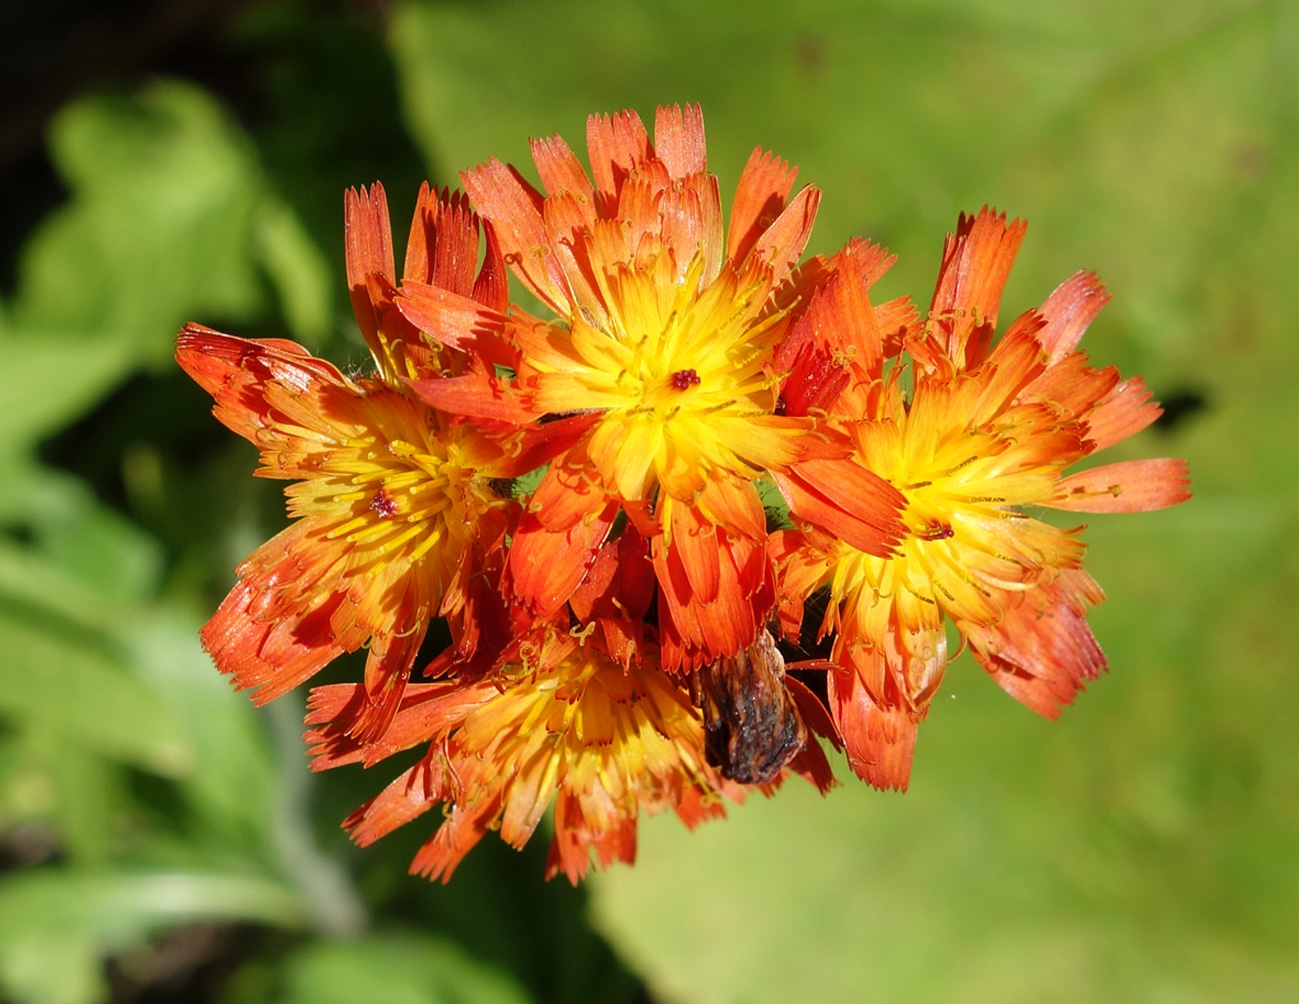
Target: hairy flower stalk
column 612, row 649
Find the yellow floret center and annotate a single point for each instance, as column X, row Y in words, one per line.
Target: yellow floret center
column 617, row 740
column 966, row 537
column 679, row 373
column 402, row 491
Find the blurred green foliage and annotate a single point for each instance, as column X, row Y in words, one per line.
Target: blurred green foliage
column 1140, row 849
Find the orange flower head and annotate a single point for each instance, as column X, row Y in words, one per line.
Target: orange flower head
column 985, row 432
column 393, row 501
column 611, row 655
column 561, row 723
column 666, row 333
column 658, row 329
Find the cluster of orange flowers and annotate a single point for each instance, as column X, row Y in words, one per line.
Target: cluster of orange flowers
column 580, row 496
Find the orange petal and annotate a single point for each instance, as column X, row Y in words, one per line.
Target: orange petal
column 1123, row 412
column 782, row 244
column 1069, row 310
column 548, row 565
column 679, row 140
column 235, row 371
column 561, row 171
column 514, row 207
column 575, row 839
column 695, row 547
column 847, row 501
column 620, row 582
column 815, row 714
column 1128, row 486
column 443, row 246
column 408, row 797
column 448, row 317
column 368, row 244
column 977, row 260
column 439, row 857
column 693, row 632
column 538, row 444
column 759, row 199
column 839, row 318
column 1072, row 386
column 568, row 222
column 616, row 145
column 387, row 670
column 476, row 395
column 880, row 739
column 492, row 287
column 734, row 504
column 1042, row 652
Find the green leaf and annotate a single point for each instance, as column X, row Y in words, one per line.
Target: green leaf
column 160, row 224
column 297, row 269
column 231, row 782
column 96, row 545
column 170, row 211
column 53, row 379
column 401, row 966
column 57, row 925
column 66, row 970
column 69, row 682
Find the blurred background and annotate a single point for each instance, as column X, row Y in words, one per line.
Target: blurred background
column 173, row 160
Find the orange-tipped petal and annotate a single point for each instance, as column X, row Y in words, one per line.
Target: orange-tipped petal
column 782, row 244
column 562, row 172
column 514, row 208
column 369, row 250
column 977, row 260
column 616, row 144
column 476, row 396
column 695, row 631
column 847, row 501
column 1128, row 486
column 880, row 739
column 679, row 140
column 1123, row 412
column 1069, row 310
column 448, row 317
column 549, row 564
column 443, row 246
column 575, row 840
column 760, row 198
column 1042, row 652
column 441, row 855
column 410, row 796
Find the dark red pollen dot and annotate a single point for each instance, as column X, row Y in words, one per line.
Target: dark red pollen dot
column 383, row 504
column 684, row 379
column 937, row 531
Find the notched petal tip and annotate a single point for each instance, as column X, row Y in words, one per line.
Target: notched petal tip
column 1127, row 486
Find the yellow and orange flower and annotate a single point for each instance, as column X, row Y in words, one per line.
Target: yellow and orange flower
column 667, row 331
column 985, row 432
column 611, row 655
column 395, row 513
column 562, row 722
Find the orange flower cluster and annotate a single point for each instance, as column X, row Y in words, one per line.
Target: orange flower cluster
column 579, row 496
